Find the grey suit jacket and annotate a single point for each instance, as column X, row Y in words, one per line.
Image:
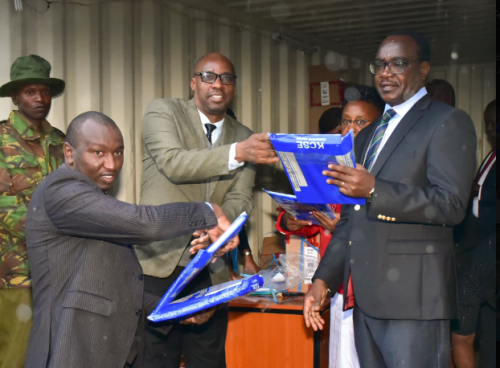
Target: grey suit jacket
column 87, row 282
column 177, row 167
column 399, row 247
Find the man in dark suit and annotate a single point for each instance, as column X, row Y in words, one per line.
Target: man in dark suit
column 475, row 240
column 396, row 252
column 89, row 305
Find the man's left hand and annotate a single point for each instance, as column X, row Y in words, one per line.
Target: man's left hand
column 356, row 182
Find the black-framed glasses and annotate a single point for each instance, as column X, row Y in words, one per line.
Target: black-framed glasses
column 210, row 77
column 395, row 67
column 359, row 122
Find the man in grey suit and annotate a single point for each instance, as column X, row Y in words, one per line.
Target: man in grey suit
column 397, row 251
column 193, row 151
column 89, row 304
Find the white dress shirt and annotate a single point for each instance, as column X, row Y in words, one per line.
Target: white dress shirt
column 232, row 163
column 401, row 111
column 481, row 180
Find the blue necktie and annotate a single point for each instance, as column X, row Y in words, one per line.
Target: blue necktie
column 210, row 129
column 377, row 139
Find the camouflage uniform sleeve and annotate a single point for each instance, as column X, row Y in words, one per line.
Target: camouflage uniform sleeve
column 12, row 207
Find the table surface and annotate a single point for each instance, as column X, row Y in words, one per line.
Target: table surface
column 277, row 332
column 260, row 302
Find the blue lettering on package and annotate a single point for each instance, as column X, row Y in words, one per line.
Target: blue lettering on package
column 302, row 211
column 201, row 260
column 207, row 298
column 306, row 156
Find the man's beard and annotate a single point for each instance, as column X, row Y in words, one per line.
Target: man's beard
column 214, row 109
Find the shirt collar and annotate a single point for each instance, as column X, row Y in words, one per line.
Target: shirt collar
column 27, row 130
column 205, row 120
column 406, row 106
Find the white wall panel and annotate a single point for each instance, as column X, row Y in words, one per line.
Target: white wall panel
column 180, row 70
column 6, row 28
column 475, row 87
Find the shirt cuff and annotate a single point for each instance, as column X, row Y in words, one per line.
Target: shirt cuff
column 210, row 205
column 233, row 164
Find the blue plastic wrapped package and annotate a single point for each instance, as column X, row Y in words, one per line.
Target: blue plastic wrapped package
column 306, row 156
column 301, row 211
column 207, row 298
column 200, row 261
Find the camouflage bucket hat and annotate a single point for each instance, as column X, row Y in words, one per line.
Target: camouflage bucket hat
column 31, row 69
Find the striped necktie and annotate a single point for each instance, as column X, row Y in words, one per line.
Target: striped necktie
column 210, row 129
column 377, row 139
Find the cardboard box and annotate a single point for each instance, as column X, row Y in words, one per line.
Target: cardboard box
column 297, row 245
column 321, row 73
column 271, row 245
column 334, row 94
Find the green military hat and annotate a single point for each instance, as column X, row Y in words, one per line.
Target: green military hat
column 31, row 69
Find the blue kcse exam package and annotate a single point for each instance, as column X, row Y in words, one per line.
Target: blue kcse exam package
column 302, row 211
column 170, row 309
column 306, row 156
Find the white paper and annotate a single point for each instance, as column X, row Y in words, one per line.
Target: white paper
column 325, row 93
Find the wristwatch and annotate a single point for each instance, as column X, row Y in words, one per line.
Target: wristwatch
column 370, row 195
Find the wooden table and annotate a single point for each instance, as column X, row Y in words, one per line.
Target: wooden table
column 262, row 334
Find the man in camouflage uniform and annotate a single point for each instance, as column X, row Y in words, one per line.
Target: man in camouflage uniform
column 30, row 148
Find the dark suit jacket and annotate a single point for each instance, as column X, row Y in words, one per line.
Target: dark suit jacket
column 474, row 230
column 87, row 282
column 399, row 247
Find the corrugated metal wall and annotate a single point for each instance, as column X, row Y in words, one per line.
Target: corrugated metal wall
column 118, row 56
column 475, row 87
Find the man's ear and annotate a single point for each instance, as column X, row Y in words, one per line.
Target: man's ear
column 15, row 98
column 192, row 83
column 68, row 153
column 425, row 67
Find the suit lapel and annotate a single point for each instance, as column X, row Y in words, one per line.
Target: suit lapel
column 194, row 137
column 399, row 133
column 228, row 136
column 198, row 139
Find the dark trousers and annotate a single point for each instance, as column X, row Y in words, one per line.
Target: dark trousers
column 485, row 337
column 383, row 343
column 202, row 345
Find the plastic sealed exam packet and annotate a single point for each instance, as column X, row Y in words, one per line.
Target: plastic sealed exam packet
column 207, row 298
column 301, row 211
column 200, row 261
column 306, row 156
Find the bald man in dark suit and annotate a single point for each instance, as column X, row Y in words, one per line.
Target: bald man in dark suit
column 89, row 304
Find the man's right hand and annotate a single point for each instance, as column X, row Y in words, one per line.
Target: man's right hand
column 290, row 223
column 209, row 236
column 313, row 300
column 256, row 149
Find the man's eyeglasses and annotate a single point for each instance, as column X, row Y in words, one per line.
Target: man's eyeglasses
column 209, row 77
column 360, row 123
column 395, row 67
